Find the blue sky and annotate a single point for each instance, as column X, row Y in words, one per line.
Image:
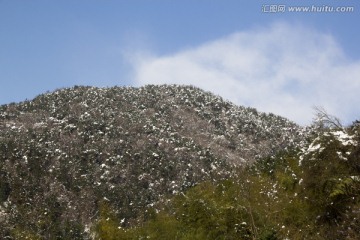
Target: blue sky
column 281, row 62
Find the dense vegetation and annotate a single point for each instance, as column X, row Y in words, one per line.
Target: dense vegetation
column 171, row 162
column 310, row 193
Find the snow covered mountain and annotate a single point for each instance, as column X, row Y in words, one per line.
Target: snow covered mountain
column 66, row 154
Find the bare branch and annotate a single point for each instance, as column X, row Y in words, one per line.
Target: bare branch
column 323, row 119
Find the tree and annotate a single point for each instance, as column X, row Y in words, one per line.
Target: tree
column 323, row 119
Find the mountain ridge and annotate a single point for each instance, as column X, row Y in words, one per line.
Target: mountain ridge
column 204, row 104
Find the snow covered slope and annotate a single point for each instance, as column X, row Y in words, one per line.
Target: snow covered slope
column 71, row 149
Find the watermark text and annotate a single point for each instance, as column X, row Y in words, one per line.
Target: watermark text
column 283, row 8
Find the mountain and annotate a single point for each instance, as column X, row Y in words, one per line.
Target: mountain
column 70, row 157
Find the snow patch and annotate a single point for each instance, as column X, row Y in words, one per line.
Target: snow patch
column 344, row 138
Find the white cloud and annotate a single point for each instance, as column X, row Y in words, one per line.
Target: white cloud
column 285, row 69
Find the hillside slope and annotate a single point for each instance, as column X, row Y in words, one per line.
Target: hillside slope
column 65, row 154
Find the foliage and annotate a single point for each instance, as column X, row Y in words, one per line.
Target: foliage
column 309, row 193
